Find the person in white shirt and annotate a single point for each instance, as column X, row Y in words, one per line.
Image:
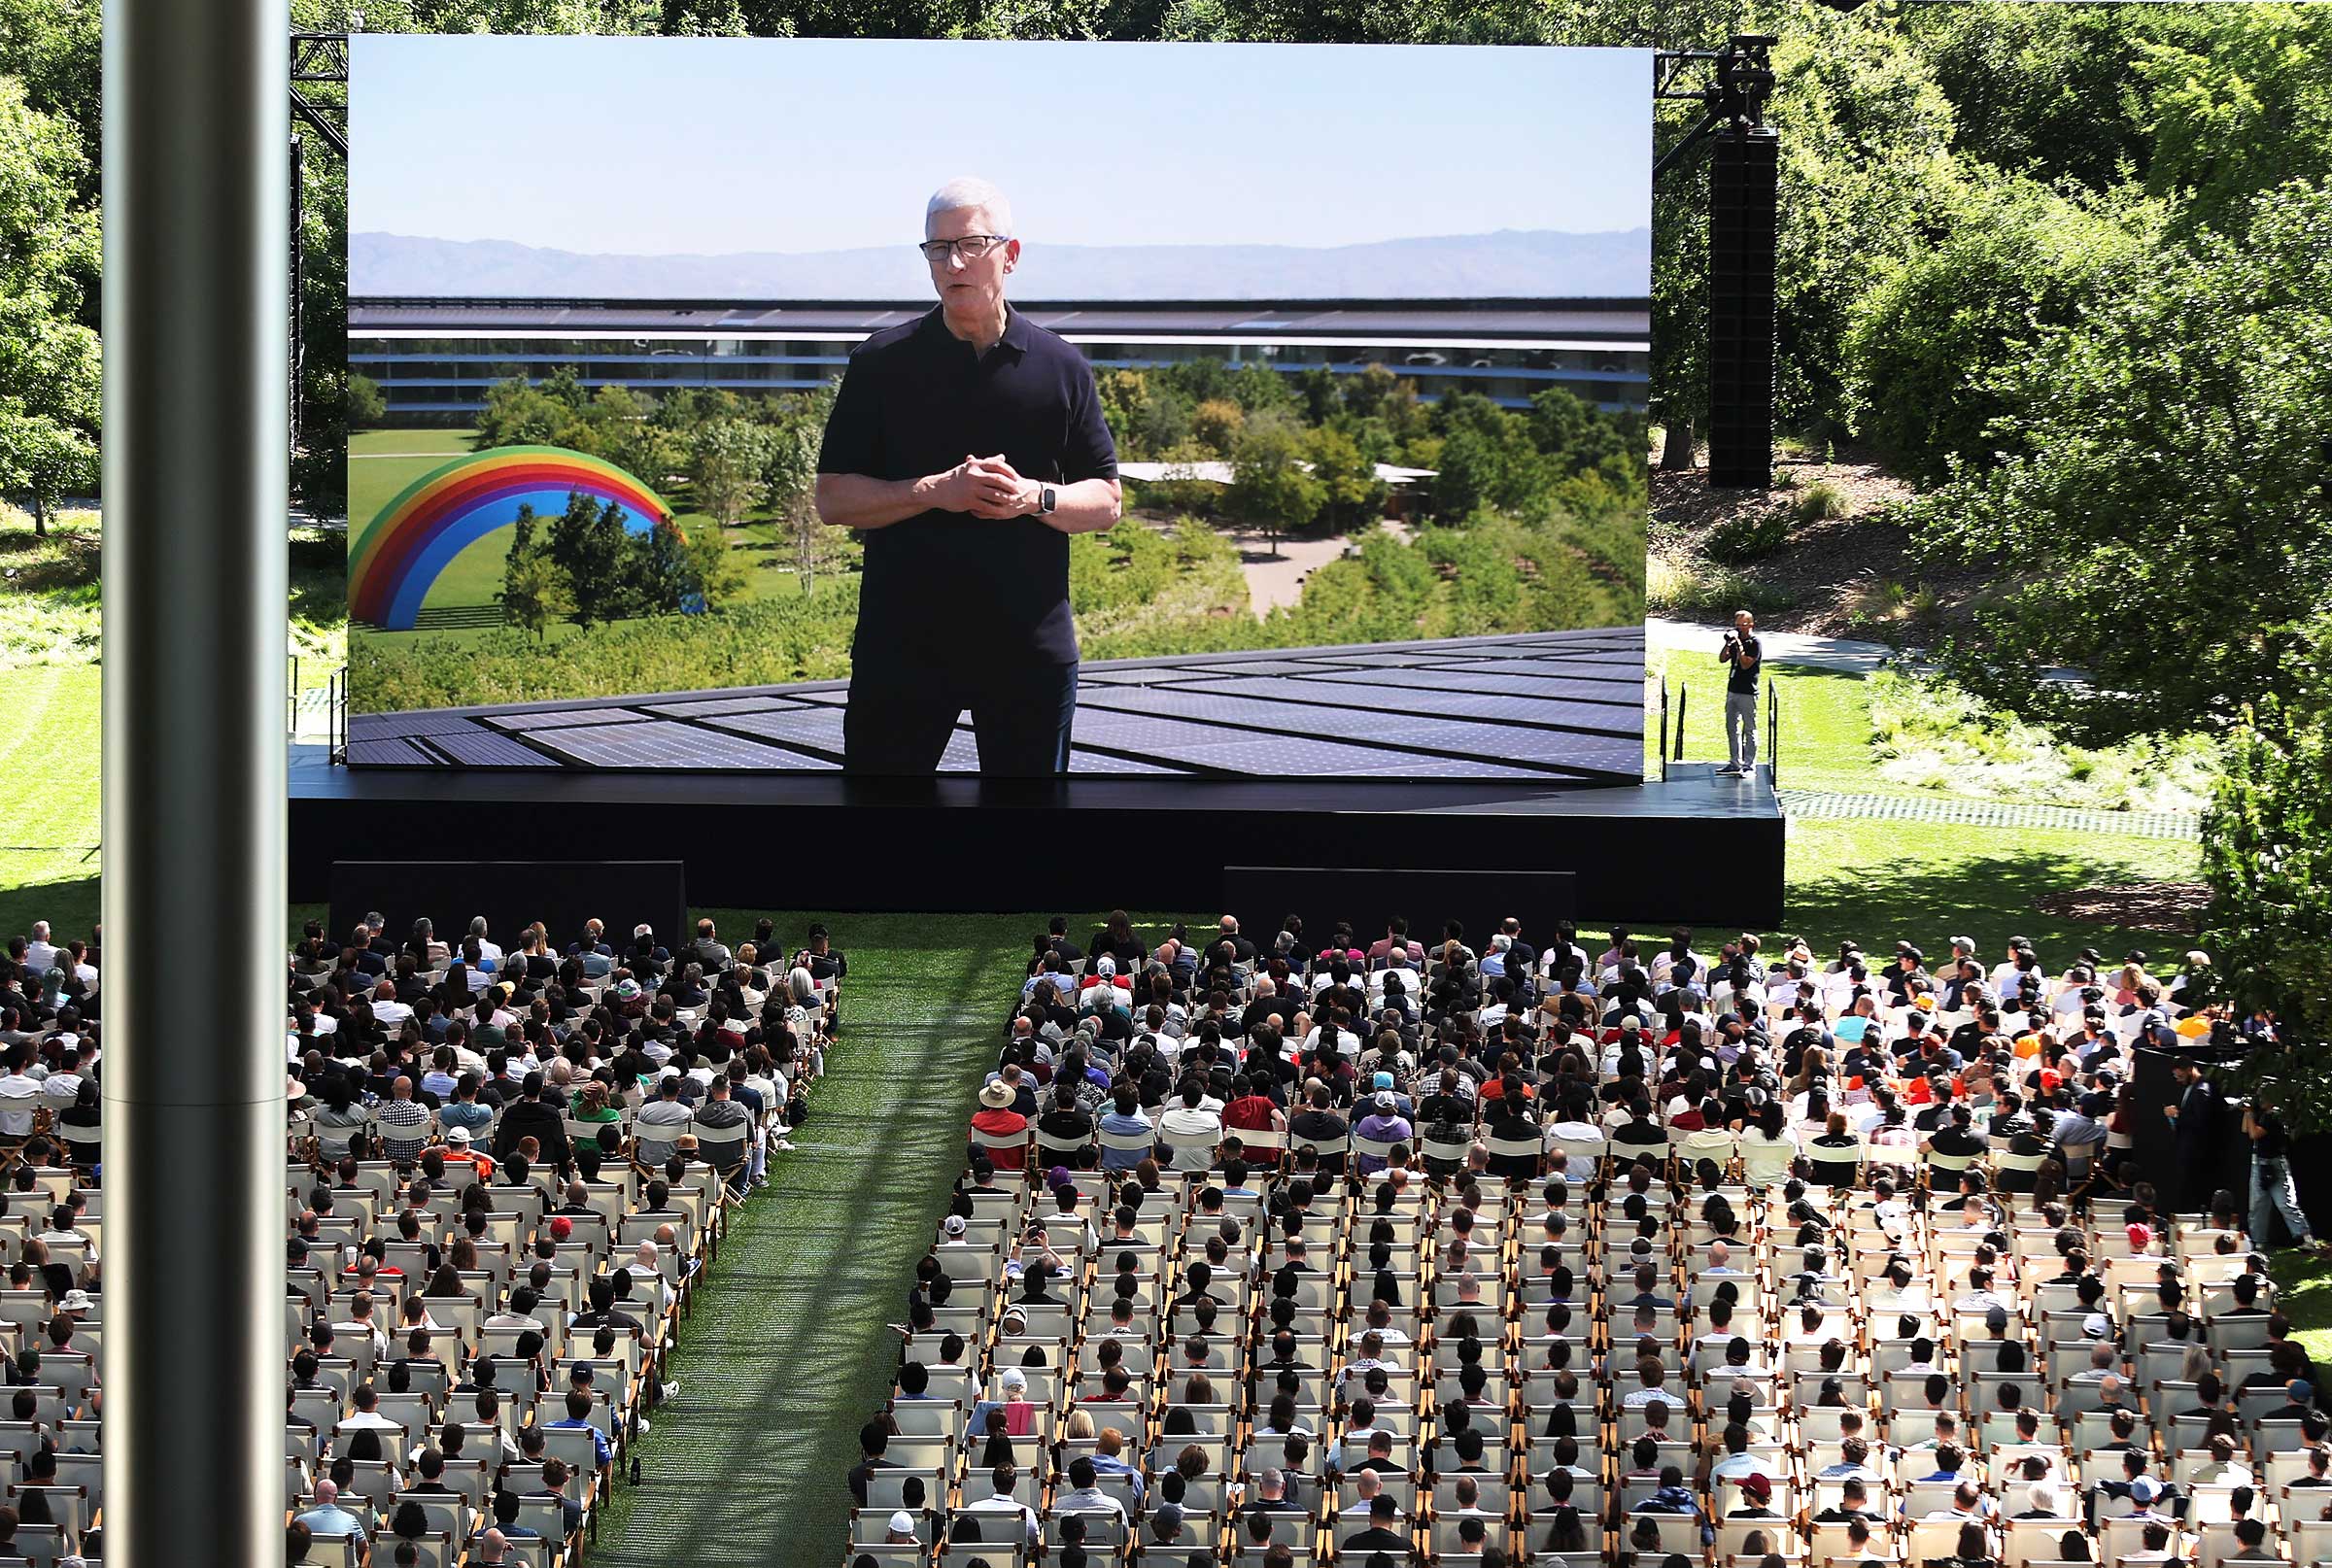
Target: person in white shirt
column 62, row 1085
column 41, row 954
column 1084, row 1495
column 367, row 1416
column 1193, row 1117
column 648, row 1279
column 486, row 949
column 389, row 1013
column 1000, row 1499
column 18, row 1087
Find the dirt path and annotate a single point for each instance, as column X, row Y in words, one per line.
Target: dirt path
column 1271, row 583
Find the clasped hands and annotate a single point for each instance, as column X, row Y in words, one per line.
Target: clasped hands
column 989, row 487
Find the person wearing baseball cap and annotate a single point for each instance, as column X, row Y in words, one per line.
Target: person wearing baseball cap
column 2300, row 1397
column 1758, row 1489
column 457, row 1151
column 901, row 1530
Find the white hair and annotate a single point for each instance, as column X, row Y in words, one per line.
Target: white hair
column 970, row 190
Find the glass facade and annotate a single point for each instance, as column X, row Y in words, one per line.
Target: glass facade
column 449, row 375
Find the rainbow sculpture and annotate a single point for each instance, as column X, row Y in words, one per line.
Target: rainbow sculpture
column 453, row 506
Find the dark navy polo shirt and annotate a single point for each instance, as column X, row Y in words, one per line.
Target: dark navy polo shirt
column 943, row 587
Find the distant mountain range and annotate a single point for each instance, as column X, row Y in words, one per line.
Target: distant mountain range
column 1510, row 264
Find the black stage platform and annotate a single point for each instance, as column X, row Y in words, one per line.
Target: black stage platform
column 1560, row 707
column 1694, row 847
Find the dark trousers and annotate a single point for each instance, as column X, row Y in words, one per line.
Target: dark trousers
column 1020, row 718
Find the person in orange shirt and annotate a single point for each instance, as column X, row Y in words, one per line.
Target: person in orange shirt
column 459, row 1152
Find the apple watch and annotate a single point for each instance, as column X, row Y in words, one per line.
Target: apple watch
column 1045, row 500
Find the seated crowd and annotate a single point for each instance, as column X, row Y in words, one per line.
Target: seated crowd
column 1377, row 1251
column 508, row 1170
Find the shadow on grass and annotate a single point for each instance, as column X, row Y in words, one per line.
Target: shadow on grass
column 71, row 908
column 1988, row 894
column 319, row 578
column 61, row 563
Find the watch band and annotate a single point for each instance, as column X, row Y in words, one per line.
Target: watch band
column 1045, row 500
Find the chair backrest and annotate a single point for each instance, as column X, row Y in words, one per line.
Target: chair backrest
column 722, row 1146
column 1051, row 1144
column 1578, row 1149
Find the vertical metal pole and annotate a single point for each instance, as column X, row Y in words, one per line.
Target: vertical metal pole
column 195, row 593
column 298, row 341
column 1664, row 729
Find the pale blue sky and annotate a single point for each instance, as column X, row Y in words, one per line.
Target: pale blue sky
column 665, row 146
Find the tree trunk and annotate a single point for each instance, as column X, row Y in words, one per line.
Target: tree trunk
column 1676, row 452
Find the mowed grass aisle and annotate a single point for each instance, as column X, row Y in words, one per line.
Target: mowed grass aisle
column 787, row 1353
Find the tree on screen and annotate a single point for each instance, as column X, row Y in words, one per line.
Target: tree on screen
column 1270, row 486
column 790, row 472
column 1350, row 493
column 535, row 590
column 727, row 469
column 587, row 545
column 712, row 568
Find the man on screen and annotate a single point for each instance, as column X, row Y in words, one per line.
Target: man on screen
column 966, row 446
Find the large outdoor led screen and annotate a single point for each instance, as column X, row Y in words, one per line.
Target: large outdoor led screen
column 900, row 407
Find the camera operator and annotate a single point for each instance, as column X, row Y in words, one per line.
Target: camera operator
column 1747, row 658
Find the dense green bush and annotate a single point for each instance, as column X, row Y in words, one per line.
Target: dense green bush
column 1927, row 344
column 2267, row 851
column 1749, row 536
column 1932, row 733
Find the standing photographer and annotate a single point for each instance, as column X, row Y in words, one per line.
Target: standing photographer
column 1747, row 658
column 2273, row 1190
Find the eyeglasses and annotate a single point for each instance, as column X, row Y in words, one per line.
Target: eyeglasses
column 971, row 246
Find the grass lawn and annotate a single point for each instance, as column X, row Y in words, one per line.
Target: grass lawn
column 49, row 750
column 1929, row 882
column 1824, row 724
column 2304, row 1291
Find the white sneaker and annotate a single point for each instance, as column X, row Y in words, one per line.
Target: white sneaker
column 783, row 1147
column 670, row 1392
column 644, row 1427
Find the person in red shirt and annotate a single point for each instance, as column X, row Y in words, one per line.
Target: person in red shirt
column 1251, row 1112
column 997, row 1118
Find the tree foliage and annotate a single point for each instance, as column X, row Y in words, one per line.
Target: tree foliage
column 2242, row 101
column 2267, row 851
column 1270, row 487
column 535, row 591
column 50, row 395
column 2161, row 519
column 587, row 546
column 1926, row 345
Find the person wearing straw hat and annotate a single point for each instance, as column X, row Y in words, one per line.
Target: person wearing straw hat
column 997, row 1118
